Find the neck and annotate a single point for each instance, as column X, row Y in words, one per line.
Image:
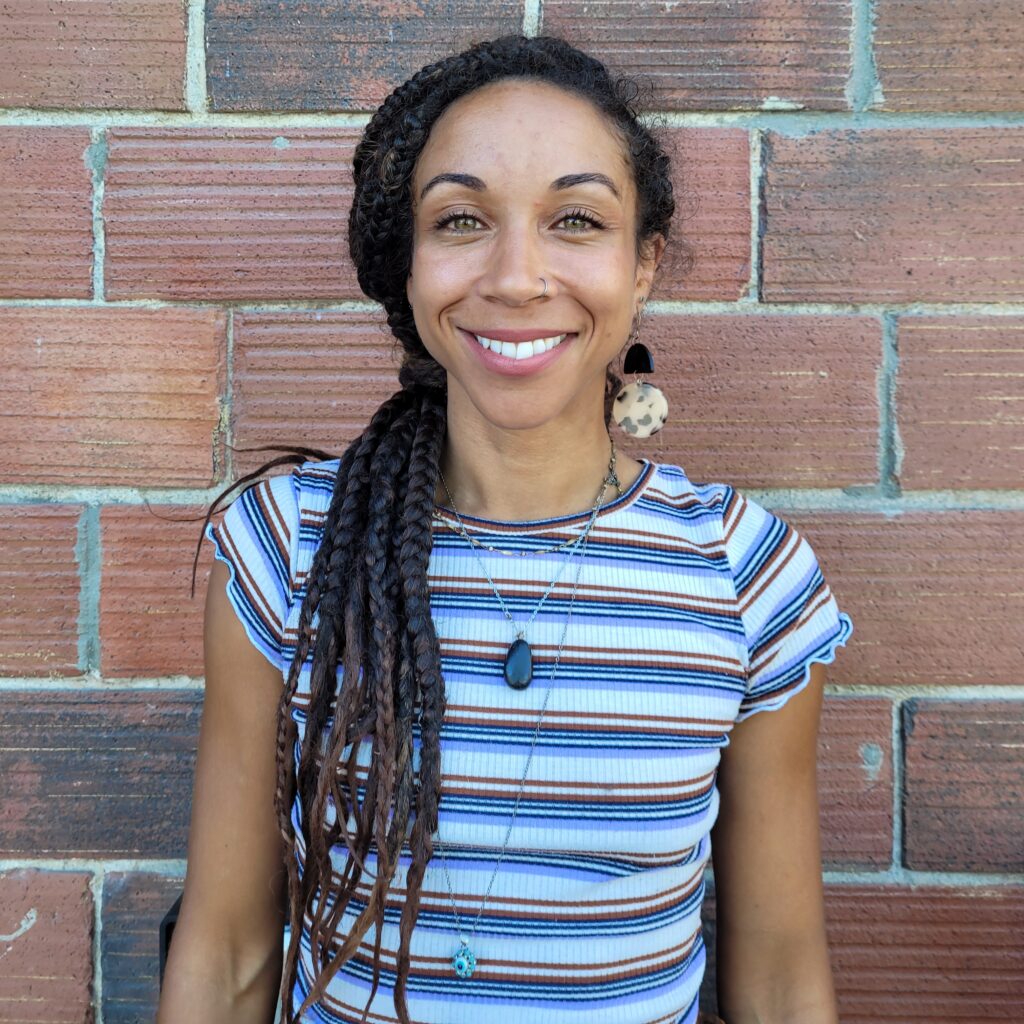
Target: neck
column 528, row 473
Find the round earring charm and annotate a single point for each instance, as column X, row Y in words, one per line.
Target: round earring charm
column 640, row 409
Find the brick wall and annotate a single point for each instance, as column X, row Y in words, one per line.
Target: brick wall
column 848, row 348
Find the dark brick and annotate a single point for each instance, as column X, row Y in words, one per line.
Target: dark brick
column 729, row 55
column 133, row 906
column 39, row 601
column 886, row 215
column 93, row 53
column 97, row 773
column 334, row 55
column 958, row 401
column 111, row 396
column 46, row 918
column 963, row 785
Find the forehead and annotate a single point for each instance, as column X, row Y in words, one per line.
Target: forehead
column 521, row 128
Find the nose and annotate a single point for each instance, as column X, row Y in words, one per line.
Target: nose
column 514, row 267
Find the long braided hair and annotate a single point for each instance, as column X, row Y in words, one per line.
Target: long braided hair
column 368, row 579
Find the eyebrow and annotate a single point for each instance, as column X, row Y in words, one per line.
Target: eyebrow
column 565, row 181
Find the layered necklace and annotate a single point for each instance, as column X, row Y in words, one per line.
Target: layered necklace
column 518, row 673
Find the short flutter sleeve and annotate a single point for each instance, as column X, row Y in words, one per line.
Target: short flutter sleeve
column 789, row 613
column 257, row 538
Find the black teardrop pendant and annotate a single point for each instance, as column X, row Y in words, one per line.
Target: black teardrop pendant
column 519, row 664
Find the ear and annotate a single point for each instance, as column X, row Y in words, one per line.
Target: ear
column 652, row 251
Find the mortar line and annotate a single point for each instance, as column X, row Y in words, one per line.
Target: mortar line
column 97, row 162
column 168, row 868
column 898, row 748
column 532, row 15
column 229, row 401
column 863, row 89
column 757, row 216
column 890, row 450
column 88, row 556
column 196, row 99
column 96, row 886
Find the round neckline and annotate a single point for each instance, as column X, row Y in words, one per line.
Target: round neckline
column 624, row 500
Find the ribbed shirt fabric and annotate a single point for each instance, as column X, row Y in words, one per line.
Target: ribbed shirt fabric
column 696, row 608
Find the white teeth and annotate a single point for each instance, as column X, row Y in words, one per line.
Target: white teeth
column 524, row 350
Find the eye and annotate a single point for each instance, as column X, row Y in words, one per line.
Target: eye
column 587, row 218
column 454, row 216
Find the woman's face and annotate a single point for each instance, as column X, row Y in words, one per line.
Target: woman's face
column 498, row 206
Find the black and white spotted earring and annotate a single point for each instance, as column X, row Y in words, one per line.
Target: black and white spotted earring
column 640, row 409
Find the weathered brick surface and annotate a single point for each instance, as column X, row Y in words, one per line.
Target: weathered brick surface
column 118, row 396
column 918, row 955
column 766, row 401
column 959, row 396
column 927, row 954
column 333, row 55
column 959, row 57
column 352, row 357
column 884, row 215
column 963, row 785
column 46, row 971
column 39, row 598
column 97, row 773
column 229, row 214
column 93, row 53
column 133, row 906
column 708, row 252
column 45, row 213
column 150, row 553
column 935, row 597
column 732, row 55
column 855, row 780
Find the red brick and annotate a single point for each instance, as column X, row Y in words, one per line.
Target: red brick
column 963, row 785
column 216, row 214
column 133, row 906
column 708, row 253
column 962, row 56
column 927, row 954
column 45, row 213
column 352, row 357
column 265, row 55
column 39, row 601
column 733, row 383
column 148, row 623
column 855, row 782
column 93, row 53
column 46, row 918
column 958, row 401
column 113, row 395
column 916, row 955
column 730, row 55
column 884, row 215
column 935, row 597
column 97, row 773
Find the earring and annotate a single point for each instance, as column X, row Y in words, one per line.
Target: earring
column 640, row 409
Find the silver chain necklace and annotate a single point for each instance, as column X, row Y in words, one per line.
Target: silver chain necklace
column 464, row 961
column 519, row 656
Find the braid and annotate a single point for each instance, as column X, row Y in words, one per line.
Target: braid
column 376, row 665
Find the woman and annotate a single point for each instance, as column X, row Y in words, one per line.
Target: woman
column 518, row 663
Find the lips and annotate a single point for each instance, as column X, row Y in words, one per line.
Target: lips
column 515, row 365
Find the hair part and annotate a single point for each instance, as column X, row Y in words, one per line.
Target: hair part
column 368, row 579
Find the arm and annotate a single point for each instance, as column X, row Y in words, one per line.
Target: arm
column 224, row 961
column 772, row 955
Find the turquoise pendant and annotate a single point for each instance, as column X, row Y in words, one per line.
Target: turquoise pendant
column 464, row 961
column 519, row 665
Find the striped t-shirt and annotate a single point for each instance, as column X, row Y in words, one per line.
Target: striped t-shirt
column 696, row 608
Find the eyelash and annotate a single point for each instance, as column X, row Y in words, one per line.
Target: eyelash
column 571, row 215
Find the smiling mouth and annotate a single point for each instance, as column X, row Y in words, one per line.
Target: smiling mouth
column 519, row 350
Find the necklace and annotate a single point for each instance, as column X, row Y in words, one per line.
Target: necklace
column 519, row 656
column 464, row 960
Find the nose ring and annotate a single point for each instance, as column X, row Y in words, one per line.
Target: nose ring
column 543, row 293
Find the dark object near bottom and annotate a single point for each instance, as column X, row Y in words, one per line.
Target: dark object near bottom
column 166, row 931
